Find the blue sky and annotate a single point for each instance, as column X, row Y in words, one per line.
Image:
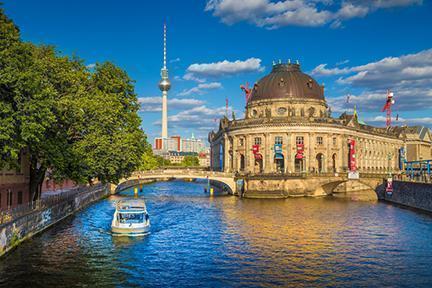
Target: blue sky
column 354, row 47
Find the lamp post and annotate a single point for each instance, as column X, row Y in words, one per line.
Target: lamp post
column 389, row 157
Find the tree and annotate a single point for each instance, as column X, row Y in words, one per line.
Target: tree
column 149, row 161
column 76, row 123
column 189, row 161
column 110, row 144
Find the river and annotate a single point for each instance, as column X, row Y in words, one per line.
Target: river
column 222, row 241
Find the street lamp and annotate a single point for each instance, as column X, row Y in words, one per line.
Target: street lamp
column 389, row 157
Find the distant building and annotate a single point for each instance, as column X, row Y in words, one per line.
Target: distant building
column 192, row 145
column 177, row 144
column 172, row 143
column 204, row 159
column 418, row 142
column 15, row 184
column 176, row 157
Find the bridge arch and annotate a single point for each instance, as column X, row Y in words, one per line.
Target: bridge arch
column 166, row 174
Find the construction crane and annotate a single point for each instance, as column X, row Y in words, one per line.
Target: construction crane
column 247, row 90
column 388, row 107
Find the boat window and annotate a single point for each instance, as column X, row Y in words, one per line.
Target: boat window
column 131, row 217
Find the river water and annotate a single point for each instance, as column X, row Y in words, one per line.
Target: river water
column 222, row 241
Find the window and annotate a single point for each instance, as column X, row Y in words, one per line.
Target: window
column 254, row 112
column 281, row 110
column 278, row 140
column 299, row 140
column 302, row 112
column 334, row 141
column 319, row 140
column 9, row 198
column 241, row 142
column 20, row 197
column 258, row 141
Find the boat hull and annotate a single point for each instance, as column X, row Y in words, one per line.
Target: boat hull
column 135, row 231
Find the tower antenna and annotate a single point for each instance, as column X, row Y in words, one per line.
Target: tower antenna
column 164, row 86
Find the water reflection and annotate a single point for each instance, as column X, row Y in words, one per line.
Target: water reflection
column 220, row 241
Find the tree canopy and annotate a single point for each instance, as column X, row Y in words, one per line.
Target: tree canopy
column 190, row 160
column 77, row 123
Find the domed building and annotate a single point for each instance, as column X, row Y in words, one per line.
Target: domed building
column 288, row 129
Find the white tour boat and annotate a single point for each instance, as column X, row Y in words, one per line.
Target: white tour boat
column 130, row 218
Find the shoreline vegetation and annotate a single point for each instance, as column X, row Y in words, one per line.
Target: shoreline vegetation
column 72, row 121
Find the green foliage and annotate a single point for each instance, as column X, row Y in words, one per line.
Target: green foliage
column 76, row 123
column 149, row 161
column 189, row 161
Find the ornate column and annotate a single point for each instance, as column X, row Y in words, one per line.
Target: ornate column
column 226, row 155
column 287, row 154
column 266, row 154
column 249, row 157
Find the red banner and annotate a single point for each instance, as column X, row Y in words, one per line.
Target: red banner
column 352, row 155
column 255, row 149
column 300, row 150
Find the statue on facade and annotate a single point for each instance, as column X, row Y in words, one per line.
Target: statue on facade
column 311, row 111
column 268, row 113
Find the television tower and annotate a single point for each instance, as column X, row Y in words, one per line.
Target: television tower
column 164, row 86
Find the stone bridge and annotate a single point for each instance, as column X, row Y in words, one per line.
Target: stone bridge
column 269, row 185
column 167, row 174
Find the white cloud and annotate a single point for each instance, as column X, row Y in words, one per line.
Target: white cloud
column 399, row 121
column 91, row 65
column 225, row 68
column 322, row 70
column 340, row 63
column 175, row 60
column 154, row 104
column 408, row 76
column 201, row 88
column 407, row 70
column 200, row 117
column 406, row 99
column 270, row 14
column 191, row 77
column 349, row 10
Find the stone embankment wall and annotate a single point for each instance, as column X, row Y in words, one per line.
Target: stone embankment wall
column 24, row 227
column 410, row 194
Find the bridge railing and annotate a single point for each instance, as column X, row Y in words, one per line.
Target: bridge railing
column 416, row 178
column 46, row 202
column 183, row 172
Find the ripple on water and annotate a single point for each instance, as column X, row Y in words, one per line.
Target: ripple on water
column 197, row 240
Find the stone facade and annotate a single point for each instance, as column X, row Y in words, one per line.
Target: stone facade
column 280, row 124
column 410, row 194
column 22, row 228
column 14, row 184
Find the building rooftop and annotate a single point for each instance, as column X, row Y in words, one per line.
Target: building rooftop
column 287, row 81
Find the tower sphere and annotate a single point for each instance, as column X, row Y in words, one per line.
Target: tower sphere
column 164, row 85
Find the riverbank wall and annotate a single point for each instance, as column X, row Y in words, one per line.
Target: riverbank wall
column 14, row 232
column 409, row 194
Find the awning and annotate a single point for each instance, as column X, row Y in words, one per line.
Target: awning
column 279, row 156
column 258, row 156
